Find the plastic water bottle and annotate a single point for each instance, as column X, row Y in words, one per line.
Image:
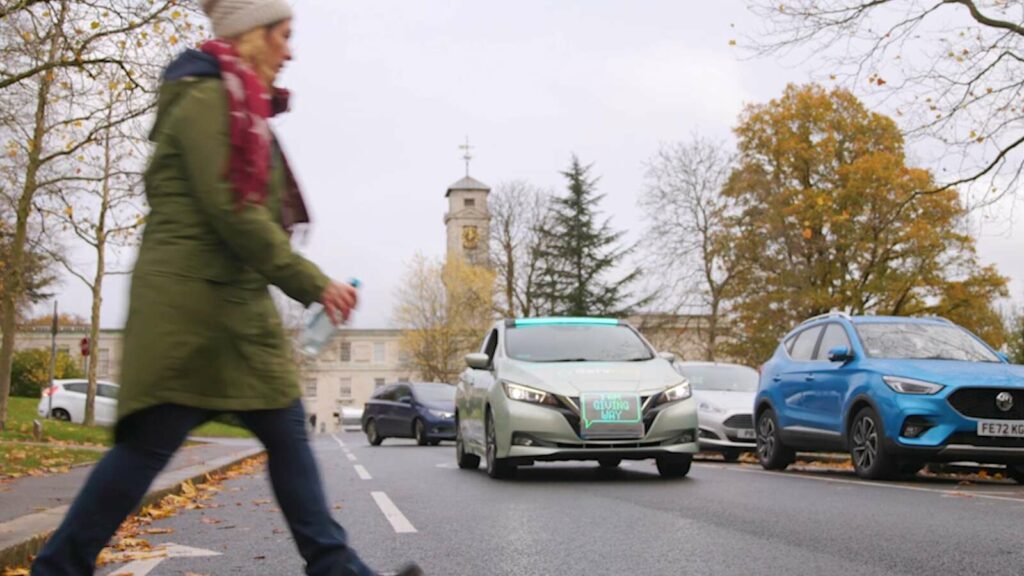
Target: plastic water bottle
column 320, row 329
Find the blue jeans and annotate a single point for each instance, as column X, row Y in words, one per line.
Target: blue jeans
column 145, row 443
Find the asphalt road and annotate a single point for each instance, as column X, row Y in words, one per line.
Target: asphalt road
column 400, row 501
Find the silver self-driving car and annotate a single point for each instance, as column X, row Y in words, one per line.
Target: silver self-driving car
column 548, row 389
column 725, row 401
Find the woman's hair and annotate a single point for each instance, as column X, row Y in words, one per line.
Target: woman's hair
column 252, row 47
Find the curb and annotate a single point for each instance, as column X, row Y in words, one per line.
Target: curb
column 24, row 537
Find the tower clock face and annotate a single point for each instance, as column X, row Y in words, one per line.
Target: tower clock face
column 470, row 237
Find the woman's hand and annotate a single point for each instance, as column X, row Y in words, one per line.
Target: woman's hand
column 339, row 299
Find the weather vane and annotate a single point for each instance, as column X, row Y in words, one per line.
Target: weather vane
column 467, row 156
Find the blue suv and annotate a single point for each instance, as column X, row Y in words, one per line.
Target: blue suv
column 894, row 392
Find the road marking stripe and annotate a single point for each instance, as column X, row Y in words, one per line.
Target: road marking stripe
column 338, row 440
column 363, row 473
column 351, row 456
column 941, row 492
column 398, row 520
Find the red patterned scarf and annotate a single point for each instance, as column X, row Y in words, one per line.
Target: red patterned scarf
column 250, row 105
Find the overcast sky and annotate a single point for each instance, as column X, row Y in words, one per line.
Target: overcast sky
column 385, row 91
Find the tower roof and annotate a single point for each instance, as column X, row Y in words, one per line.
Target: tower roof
column 468, row 183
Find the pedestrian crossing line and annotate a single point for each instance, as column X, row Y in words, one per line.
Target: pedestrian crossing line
column 394, row 516
column 361, row 471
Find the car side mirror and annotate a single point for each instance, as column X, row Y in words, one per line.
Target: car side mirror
column 478, row 361
column 840, row 354
column 405, row 399
column 667, row 356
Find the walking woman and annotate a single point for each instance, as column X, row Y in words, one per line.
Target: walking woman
column 203, row 336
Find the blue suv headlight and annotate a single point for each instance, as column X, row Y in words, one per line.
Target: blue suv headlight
column 910, row 386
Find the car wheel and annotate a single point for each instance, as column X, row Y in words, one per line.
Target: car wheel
column 609, row 462
column 731, row 455
column 867, row 447
column 496, row 467
column 465, row 460
column 1016, row 472
column 372, row 436
column 674, row 466
column 61, row 414
column 419, row 431
column 771, row 452
column 435, row 442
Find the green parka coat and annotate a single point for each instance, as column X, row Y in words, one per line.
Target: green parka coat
column 202, row 329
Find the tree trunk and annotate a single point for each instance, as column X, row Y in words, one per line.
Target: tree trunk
column 13, row 269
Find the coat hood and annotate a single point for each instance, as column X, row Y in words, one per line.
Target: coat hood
column 190, row 64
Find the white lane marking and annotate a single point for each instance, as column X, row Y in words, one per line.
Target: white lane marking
column 146, row 565
column 351, row 456
column 448, row 465
column 398, row 520
column 338, row 440
column 363, row 473
column 939, row 491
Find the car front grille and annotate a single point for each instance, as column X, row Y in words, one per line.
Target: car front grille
column 981, row 403
column 572, row 416
column 740, row 421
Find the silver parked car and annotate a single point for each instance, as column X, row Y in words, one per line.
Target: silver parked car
column 725, row 401
column 547, row 389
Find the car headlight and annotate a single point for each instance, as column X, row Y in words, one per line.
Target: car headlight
column 706, row 407
column 911, row 386
column 441, row 414
column 522, row 393
column 676, row 393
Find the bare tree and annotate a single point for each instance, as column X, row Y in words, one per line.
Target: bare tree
column 57, row 61
column 687, row 238
column 952, row 72
column 518, row 211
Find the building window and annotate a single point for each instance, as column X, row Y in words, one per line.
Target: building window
column 379, row 352
column 310, row 386
column 345, row 388
column 345, row 352
column 103, row 362
column 469, row 203
column 378, row 382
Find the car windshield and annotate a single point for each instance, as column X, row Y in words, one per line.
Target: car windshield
column 720, row 378
column 914, row 341
column 576, row 343
column 434, row 393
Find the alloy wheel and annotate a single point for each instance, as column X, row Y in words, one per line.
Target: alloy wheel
column 766, row 437
column 865, row 443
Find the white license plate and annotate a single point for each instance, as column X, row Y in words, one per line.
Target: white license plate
column 1001, row 428
column 746, row 434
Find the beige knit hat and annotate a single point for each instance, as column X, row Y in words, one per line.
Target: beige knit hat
column 233, row 17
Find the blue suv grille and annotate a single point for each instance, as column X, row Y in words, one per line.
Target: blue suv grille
column 981, row 403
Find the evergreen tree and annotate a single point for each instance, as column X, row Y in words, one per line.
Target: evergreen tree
column 577, row 254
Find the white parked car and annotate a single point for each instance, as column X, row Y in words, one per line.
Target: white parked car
column 68, row 401
column 725, row 403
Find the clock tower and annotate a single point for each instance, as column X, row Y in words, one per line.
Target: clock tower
column 468, row 221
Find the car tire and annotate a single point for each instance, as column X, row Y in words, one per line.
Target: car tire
column 730, row 455
column 372, row 436
column 60, row 414
column 465, row 460
column 419, row 432
column 497, row 468
column 771, row 452
column 674, row 466
column 1015, row 472
column 435, row 442
column 867, row 447
column 609, row 462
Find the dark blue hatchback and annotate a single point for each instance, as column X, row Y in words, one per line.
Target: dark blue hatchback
column 421, row 410
column 895, row 392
